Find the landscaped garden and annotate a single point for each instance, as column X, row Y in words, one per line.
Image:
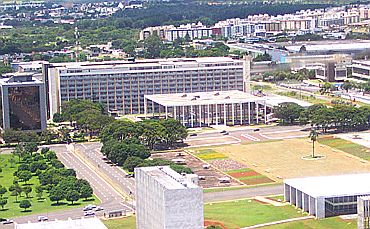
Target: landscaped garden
column 346, row 146
column 37, row 182
column 210, row 154
column 126, row 222
column 249, row 176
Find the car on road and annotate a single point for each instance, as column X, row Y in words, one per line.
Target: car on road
column 89, row 213
column 89, row 207
column 256, row 129
column 42, row 218
column 193, row 135
column 224, row 131
column 99, row 208
column 129, row 175
column 7, row 221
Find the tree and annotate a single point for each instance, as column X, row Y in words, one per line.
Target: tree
column 86, row 191
column 18, row 151
column 72, row 195
column 3, row 202
column 153, row 46
column 16, row 190
column 313, row 136
column 4, row 68
column 51, row 155
column 288, row 112
column 30, row 147
column 11, row 162
column 132, row 162
column 25, row 204
column 27, row 190
column 24, row 175
column 39, row 192
column 2, row 191
column 152, row 133
column 45, row 150
column 56, row 194
column 174, row 131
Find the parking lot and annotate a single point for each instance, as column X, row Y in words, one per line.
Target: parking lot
column 209, row 177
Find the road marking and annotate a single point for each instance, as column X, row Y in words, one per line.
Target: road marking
column 250, row 137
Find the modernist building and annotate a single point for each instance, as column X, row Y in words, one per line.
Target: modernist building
column 209, row 108
column 361, row 70
column 121, row 85
column 167, row 200
column 363, row 212
column 83, row 223
column 328, row 195
column 22, row 103
column 331, row 72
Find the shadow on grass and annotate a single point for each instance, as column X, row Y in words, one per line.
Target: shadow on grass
column 87, row 200
column 28, row 210
column 74, row 204
column 59, row 204
column 3, row 210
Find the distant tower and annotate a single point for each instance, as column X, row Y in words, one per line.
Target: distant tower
column 247, row 60
column 77, row 36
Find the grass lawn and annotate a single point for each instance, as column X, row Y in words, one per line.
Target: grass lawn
column 243, row 213
column 328, row 223
column 12, row 209
column 127, row 223
column 210, row 154
column 346, row 146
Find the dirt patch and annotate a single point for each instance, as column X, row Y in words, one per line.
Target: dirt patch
column 257, row 180
column 214, row 223
column 227, row 164
column 244, row 174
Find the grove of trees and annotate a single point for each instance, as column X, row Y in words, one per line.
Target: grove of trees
column 339, row 117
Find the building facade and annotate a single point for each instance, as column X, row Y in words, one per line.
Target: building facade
column 121, row 85
column 363, row 212
column 328, row 195
column 167, row 200
column 22, row 103
column 361, row 70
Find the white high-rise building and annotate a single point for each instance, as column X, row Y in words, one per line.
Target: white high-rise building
column 167, row 200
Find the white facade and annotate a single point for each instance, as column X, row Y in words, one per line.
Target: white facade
column 167, row 200
column 327, row 195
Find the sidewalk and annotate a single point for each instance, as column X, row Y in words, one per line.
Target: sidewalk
column 279, row 222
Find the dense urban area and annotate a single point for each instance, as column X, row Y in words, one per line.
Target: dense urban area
column 154, row 114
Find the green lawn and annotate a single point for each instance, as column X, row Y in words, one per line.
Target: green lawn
column 346, row 146
column 12, row 209
column 210, row 154
column 328, row 223
column 127, row 223
column 243, row 213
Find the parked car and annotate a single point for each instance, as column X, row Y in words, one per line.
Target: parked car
column 89, row 213
column 193, row 135
column 42, row 218
column 99, row 208
column 256, row 129
column 7, row 221
column 224, row 131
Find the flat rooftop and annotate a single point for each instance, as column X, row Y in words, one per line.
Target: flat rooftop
column 204, row 98
column 332, row 186
column 339, row 46
column 84, row 223
column 178, row 62
column 168, row 177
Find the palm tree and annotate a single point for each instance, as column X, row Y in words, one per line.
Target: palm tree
column 313, row 136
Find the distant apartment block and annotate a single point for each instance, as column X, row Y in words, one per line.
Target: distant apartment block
column 22, row 102
column 331, row 72
column 167, row 200
column 121, row 85
column 171, row 33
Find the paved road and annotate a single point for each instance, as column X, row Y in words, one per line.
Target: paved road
column 91, row 153
column 244, row 193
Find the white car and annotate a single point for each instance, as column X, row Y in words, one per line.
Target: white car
column 89, row 207
column 42, row 218
column 8, row 221
column 99, row 208
column 89, row 213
